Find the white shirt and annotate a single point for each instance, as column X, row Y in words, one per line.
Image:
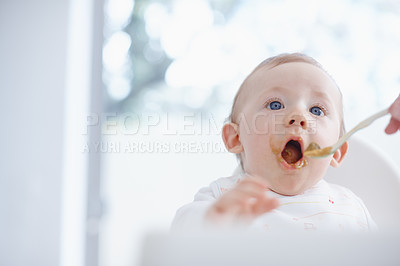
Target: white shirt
column 323, row 207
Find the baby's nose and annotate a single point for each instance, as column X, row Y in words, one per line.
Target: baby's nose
column 297, row 120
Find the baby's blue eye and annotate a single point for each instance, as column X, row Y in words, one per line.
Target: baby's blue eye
column 316, row 111
column 275, row 105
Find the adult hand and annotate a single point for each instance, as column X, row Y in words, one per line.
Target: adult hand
column 245, row 202
column 394, row 124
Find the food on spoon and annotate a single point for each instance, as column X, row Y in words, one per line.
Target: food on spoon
column 313, row 146
column 314, row 150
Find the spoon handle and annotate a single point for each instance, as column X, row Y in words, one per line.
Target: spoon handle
column 359, row 126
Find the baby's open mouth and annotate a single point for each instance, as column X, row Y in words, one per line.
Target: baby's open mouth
column 291, row 153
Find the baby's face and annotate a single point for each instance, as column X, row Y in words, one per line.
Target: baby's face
column 283, row 110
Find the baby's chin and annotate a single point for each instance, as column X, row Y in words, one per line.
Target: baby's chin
column 288, row 191
column 293, row 187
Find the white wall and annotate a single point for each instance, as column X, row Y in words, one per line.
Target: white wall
column 33, row 37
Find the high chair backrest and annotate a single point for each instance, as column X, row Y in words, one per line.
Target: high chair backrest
column 373, row 177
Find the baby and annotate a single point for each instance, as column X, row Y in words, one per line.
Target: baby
column 287, row 102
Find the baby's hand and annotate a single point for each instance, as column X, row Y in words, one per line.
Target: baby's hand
column 246, row 201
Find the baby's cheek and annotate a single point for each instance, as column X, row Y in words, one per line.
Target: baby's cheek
column 330, row 129
column 258, row 145
column 260, row 125
column 274, row 144
column 318, row 167
column 277, row 125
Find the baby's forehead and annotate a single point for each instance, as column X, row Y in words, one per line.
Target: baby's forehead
column 283, row 76
column 257, row 82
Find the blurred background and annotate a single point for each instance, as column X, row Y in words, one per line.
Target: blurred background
column 112, row 109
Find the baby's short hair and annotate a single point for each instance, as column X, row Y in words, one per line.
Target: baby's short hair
column 276, row 61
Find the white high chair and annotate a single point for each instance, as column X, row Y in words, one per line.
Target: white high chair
column 373, row 177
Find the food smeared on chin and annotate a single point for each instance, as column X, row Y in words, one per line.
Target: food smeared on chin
column 293, row 155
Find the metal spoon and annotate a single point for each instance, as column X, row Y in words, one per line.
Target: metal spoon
column 314, row 150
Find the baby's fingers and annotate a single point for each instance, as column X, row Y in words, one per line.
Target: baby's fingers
column 249, row 188
column 264, row 205
column 259, row 181
column 254, row 189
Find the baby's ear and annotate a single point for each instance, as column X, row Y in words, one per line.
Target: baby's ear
column 230, row 135
column 339, row 155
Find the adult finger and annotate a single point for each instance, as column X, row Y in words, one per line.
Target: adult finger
column 394, row 109
column 393, row 126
